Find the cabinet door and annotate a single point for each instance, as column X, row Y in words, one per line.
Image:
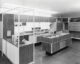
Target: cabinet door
column 0, row 44
column 68, row 42
column 4, row 47
column 12, row 53
column 26, row 54
column 55, row 47
column 62, row 44
column 47, row 47
column 1, row 29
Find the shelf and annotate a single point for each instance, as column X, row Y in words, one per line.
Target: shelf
column 75, row 38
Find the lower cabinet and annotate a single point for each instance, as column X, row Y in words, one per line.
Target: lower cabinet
column 4, row 46
column 54, row 47
column 12, row 53
column 0, row 44
column 69, row 42
column 26, row 54
column 51, row 47
column 47, row 47
column 62, row 44
column 18, row 55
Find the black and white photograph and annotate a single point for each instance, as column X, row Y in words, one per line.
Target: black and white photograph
column 39, row 31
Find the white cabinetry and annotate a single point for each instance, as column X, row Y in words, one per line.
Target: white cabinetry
column 4, row 46
column 11, row 51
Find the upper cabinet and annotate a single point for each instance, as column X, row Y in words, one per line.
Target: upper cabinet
column 65, row 20
column 75, row 19
column 41, row 19
column 52, row 19
column 26, row 18
column 15, row 18
column 23, row 18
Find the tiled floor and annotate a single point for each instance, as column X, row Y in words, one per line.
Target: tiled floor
column 4, row 60
column 70, row 55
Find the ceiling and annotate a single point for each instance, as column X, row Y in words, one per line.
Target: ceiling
column 60, row 6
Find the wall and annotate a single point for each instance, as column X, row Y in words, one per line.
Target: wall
column 30, row 25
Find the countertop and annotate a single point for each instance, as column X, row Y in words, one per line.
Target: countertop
column 54, row 35
column 58, row 35
column 25, row 43
column 54, row 38
column 10, row 41
column 31, row 33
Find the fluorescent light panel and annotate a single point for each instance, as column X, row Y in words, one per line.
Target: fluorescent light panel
column 18, row 9
column 3, row 10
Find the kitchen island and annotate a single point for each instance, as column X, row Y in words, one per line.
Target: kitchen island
column 53, row 43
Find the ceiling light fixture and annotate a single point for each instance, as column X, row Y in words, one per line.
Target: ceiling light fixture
column 18, row 9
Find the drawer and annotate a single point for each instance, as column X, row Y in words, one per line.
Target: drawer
column 62, row 44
